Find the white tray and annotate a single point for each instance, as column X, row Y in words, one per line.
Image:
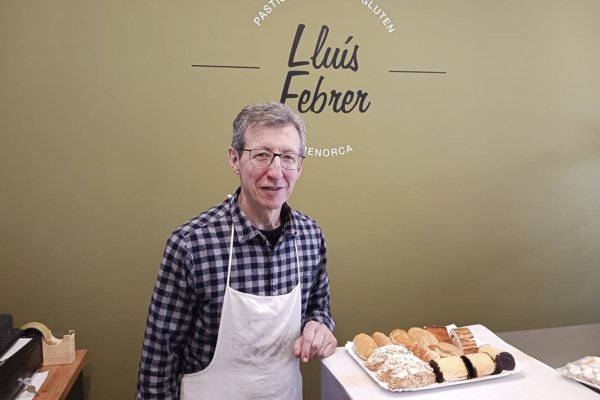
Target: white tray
column 592, row 362
column 587, row 383
column 350, row 349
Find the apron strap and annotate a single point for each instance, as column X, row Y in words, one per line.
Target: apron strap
column 297, row 262
column 230, row 255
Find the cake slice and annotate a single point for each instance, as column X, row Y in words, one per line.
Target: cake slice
column 464, row 340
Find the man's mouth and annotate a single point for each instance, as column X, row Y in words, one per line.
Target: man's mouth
column 272, row 188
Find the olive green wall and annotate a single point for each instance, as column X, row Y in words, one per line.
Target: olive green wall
column 469, row 197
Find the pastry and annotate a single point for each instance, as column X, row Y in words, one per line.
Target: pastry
column 479, row 364
column 425, row 353
column 424, row 337
column 446, row 349
column 441, row 332
column 449, row 369
column 401, row 337
column 381, row 339
column 401, row 362
column 411, row 376
column 503, row 359
column 364, row 345
column 464, row 340
column 384, row 372
column 399, row 368
column 381, row 354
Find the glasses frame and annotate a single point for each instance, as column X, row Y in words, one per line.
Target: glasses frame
column 273, row 159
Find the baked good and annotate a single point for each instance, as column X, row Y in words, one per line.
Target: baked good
column 411, row 376
column 399, row 368
column 464, row 340
column 441, row 332
column 394, row 361
column 446, row 349
column 449, row 369
column 381, row 339
column 425, row 353
column 479, row 364
column 364, row 345
column 403, row 338
column 381, row 354
column 405, row 370
column 424, row 337
column 503, row 359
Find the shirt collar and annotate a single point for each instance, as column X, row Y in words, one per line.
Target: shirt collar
column 244, row 229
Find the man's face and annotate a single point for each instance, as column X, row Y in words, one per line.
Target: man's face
column 266, row 188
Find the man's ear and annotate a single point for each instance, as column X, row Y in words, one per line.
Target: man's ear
column 234, row 160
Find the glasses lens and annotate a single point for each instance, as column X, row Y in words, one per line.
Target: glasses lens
column 289, row 161
column 261, row 158
column 264, row 158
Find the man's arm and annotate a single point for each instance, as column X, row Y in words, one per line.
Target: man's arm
column 169, row 317
column 318, row 308
column 317, row 338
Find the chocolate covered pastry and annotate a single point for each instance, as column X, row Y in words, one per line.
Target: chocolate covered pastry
column 479, row 364
column 449, row 369
column 503, row 359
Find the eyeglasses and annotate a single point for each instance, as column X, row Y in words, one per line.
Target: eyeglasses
column 264, row 158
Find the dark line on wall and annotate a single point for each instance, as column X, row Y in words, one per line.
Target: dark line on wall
column 417, row 72
column 224, row 66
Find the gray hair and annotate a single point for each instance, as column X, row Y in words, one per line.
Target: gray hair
column 268, row 114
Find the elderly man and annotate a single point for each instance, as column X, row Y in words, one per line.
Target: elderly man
column 242, row 293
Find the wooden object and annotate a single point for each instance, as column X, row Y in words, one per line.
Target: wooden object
column 61, row 378
column 59, row 351
column 56, row 351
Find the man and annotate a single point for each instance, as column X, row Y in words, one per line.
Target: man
column 242, row 293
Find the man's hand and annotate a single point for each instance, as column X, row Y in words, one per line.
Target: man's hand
column 316, row 340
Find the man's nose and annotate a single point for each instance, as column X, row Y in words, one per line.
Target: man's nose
column 275, row 166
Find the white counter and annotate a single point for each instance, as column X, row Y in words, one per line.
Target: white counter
column 343, row 379
column 557, row 346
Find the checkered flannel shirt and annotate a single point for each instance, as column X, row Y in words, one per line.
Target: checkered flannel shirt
column 185, row 310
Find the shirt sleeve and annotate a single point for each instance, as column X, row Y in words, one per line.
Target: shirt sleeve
column 169, row 318
column 318, row 308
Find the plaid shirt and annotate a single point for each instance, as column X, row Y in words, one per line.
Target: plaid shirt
column 185, row 310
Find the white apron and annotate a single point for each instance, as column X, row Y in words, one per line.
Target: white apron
column 254, row 356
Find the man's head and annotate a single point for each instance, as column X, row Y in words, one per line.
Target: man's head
column 270, row 114
column 267, row 153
